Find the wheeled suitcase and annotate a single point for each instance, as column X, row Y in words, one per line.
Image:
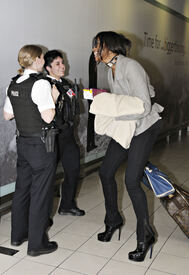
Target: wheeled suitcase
column 177, row 205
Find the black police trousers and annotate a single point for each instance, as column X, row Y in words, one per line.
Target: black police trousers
column 137, row 156
column 33, row 193
column 69, row 155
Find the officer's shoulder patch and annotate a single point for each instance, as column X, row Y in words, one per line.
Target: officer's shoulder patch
column 15, row 77
column 37, row 76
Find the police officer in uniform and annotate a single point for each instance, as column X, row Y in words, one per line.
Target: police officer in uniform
column 66, row 109
column 31, row 101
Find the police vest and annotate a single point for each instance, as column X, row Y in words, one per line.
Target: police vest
column 27, row 116
column 66, row 107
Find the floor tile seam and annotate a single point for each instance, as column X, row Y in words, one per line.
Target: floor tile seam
column 161, row 206
column 4, row 241
column 180, row 183
column 89, row 254
column 22, row 258
column 172, row 228
column 94, row 207
column 11, row 266
column 130, row 204
column 32, row 259
column 68, row 233
column 91, row 237
column 66, row 226
column 76, row 250
column 159, row 251
column 187, row 258
column 159, row 271
column 66, row 270
column 93, row 254
column 88, row 238
column 120, row 261
column 155, row 208
column 74, row 234
column 55, row 266
column 52, row 271
column 153, row 213
column 52, row 236
column 111, row 258
column 81, row 253
column 185, row 181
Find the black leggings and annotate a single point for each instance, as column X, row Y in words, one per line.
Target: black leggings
column 137, row 156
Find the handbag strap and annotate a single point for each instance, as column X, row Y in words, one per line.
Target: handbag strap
column 185, row 193
column 182, row 196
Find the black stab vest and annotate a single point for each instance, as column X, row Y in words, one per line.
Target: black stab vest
column 66, row 108
column 27, row 116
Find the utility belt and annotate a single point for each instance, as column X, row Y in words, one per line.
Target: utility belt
column 23, row 134
column 47, row 136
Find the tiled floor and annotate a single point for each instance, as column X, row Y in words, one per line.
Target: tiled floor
column 79, row 251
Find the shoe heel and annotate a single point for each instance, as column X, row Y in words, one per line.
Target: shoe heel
column 151, row 250
column 139, row 254
column 106, row 236
column 119, row 236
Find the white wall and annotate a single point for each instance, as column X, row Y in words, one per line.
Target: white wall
column 69, row 25
column 181, row 6
column 57, row 24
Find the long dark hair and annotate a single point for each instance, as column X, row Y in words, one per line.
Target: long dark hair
column 113, row 41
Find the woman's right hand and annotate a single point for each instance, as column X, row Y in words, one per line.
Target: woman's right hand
column 55, row 93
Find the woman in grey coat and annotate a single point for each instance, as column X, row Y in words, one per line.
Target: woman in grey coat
column 127, row 77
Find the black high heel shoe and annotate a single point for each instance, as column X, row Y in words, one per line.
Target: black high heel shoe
column 108, row 233
column 139, row 254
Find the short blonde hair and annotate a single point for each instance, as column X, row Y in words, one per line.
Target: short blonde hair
column 27, row 56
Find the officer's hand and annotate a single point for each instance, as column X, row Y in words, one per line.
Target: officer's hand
column 55, row 93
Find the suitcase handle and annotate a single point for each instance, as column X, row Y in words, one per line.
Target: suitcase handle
column 182, row 196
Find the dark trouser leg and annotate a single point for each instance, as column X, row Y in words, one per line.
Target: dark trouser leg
column 21, row 200
column 115, row 155
column 70, row 157
column 41, row 201
column 138, row 155
column 90, row 131
column 42, row 174
column 33, row 196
